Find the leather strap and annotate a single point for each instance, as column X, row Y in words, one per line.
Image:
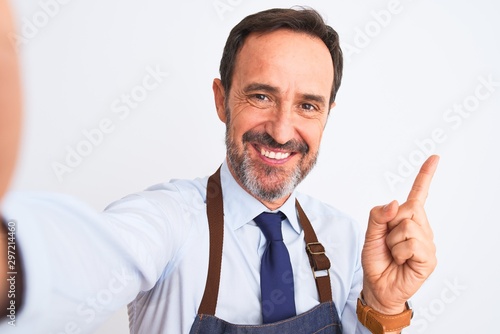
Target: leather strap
column 317, row 257
column 215, row 213
column 379, row 323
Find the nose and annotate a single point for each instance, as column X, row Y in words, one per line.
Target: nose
column 281, row 125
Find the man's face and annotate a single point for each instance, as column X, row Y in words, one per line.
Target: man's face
column 276, row 111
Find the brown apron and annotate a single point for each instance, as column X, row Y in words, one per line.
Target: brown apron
column 321, row 319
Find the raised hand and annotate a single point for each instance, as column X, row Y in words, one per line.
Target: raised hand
column 399, row 252
column 10, row 98
column 10, row 121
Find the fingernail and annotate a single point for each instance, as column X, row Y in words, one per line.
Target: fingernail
column 385, row 208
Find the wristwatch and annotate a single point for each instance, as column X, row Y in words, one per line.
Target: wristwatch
column 379, row 323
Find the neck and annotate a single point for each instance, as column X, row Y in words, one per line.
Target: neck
column 271, row 205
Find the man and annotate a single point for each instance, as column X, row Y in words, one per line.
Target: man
column 280, row 72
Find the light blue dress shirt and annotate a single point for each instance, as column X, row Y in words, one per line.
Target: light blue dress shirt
column 150, row 250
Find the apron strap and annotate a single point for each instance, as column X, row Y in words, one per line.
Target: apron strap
column 317, row 257
column 215, row 213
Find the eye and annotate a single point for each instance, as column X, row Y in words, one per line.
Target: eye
column 308, row 107
column 260, row 100
column 260, row 97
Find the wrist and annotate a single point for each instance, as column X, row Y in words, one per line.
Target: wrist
column 380, row 323
column 385, row 308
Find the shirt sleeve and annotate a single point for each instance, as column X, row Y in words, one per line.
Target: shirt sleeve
column 80, row 266
column 350, row 322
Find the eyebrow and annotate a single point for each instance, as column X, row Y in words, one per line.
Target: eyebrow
column 313, row 97
column 262, row 87
column 272, row 89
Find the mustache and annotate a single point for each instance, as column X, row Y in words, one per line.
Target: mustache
column 264, row 139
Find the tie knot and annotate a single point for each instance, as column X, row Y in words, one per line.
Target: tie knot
column 270, row 224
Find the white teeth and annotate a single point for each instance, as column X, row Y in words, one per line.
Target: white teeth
column 274, row 155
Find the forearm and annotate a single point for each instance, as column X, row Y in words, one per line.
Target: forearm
column 68, row 266
column 80, row 266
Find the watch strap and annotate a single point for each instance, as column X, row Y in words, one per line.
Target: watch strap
column 379, row 323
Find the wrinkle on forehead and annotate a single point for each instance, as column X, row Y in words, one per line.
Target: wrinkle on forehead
column 290, row 61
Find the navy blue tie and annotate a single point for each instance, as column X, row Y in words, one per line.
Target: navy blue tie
column 276, row 276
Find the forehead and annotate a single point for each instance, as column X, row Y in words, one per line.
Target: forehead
column 285, row 56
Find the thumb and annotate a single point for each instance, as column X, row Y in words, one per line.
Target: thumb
column 380, row 216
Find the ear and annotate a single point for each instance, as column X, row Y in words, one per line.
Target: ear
column 332, row 106
column 220, row 99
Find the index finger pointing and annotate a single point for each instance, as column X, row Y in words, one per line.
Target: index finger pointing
column 420, row 187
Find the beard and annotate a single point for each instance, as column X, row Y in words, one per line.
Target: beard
column 265, row 182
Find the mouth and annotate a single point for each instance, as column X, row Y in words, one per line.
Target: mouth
column 273, row 156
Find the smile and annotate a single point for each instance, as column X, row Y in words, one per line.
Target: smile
column 274, row 155
column 271, row 155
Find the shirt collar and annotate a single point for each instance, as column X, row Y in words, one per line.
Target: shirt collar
column 241, row 208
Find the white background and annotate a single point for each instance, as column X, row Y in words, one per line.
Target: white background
column 407, row 64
